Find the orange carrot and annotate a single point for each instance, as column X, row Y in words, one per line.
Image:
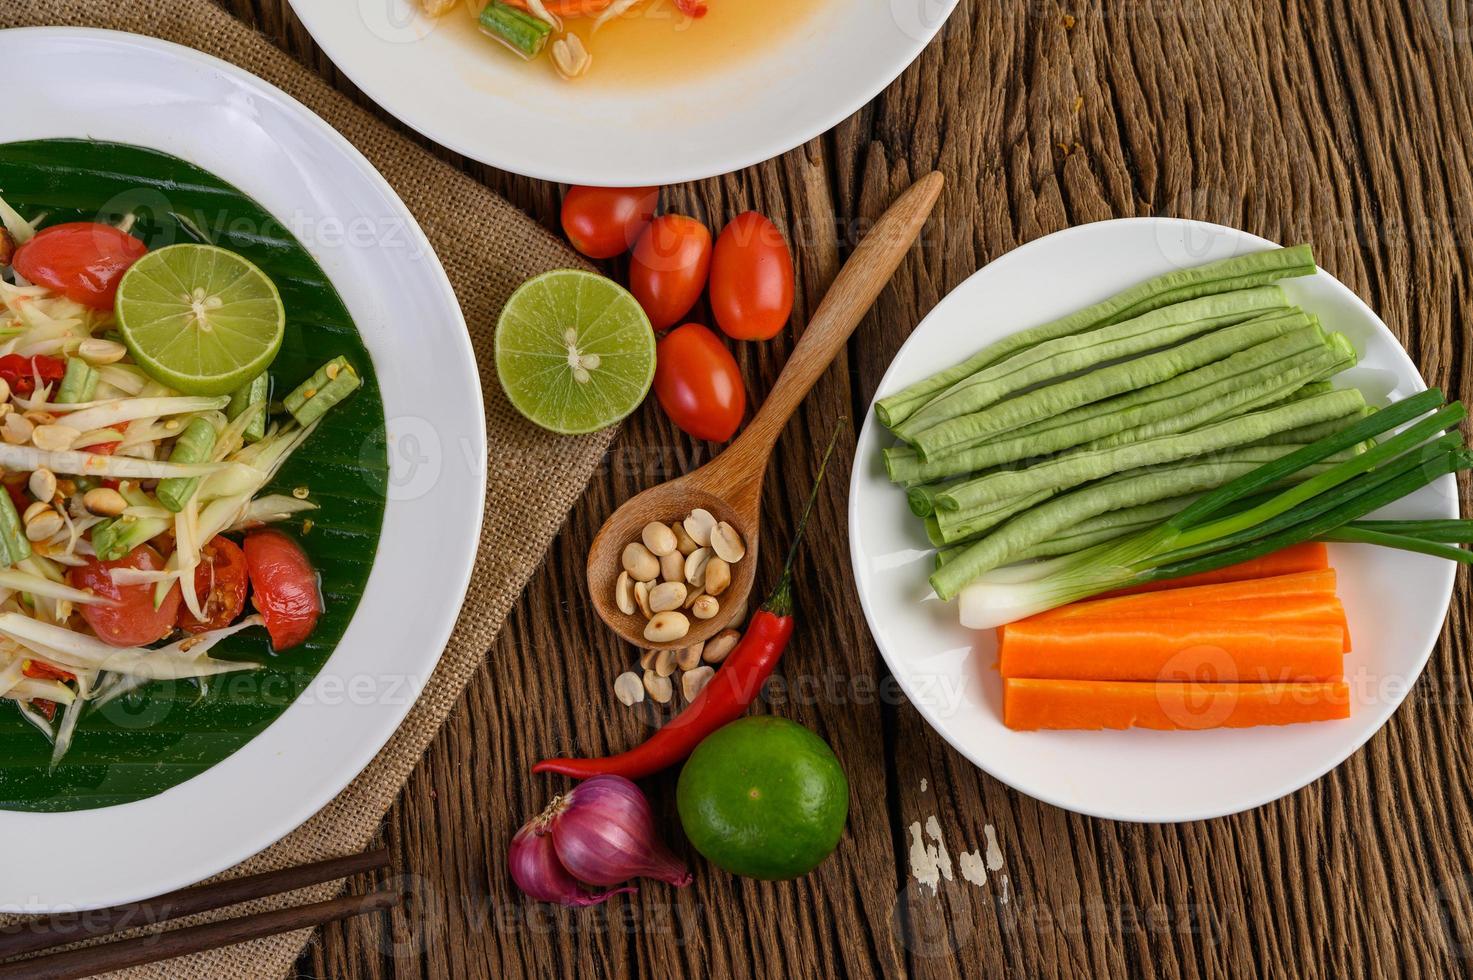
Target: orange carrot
column 1172, row 602
column 1172, row 649
column 1292, row 609
column 1031, row 704
column 1305, row 557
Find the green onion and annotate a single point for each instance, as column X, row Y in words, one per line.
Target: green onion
column 522, row 32
column 1359, row 533
column 1187, row 544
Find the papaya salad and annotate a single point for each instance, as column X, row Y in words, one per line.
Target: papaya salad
column 137, row 440
column 560, row 29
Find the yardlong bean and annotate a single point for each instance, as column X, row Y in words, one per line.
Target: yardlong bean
column 1239, row 272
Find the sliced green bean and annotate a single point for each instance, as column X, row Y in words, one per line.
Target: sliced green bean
column 12, row 532
column 78, row 383
column 193, row 446
column 1239, row 272
column 1080, row 466
column 1104, row 383
column 1058, row 358
column 254, row 392
column 331, row 383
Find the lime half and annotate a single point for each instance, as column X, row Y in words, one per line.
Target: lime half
column 199, row 319
column 574, row 351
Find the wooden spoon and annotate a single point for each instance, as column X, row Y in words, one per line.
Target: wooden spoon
column 730, row 486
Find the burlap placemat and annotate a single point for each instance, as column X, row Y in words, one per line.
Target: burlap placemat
column 488, row 248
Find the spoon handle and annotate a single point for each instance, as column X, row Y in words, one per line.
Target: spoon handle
column 850, row 297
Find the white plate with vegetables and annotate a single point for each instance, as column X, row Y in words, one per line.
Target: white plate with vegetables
column 666, row 90
column 205, row 368
column 1155, row 398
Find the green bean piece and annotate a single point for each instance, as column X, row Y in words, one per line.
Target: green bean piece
column 1082, row 465
column 1058, row 358
column 12, row 532
column 78, row 384
column 332, row 382
column 954, row 526
column 522, row 32
column 256, row 392
column 1106, row 382
column 1239, row 272
column 115, row 537
column 193, row 446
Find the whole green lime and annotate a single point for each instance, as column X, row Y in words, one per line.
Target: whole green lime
column 763, row 797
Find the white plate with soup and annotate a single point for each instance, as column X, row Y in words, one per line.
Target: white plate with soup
column 667, row 97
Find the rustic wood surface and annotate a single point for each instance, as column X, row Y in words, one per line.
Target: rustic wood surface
column 1345, row 123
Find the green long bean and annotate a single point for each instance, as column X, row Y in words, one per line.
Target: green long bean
column 1262, row 364
column 1130, row 489
column 1080, row 466
column 1239, row 272
column 1104, row 383
column 1063, row 356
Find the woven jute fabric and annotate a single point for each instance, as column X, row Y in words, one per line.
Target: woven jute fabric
column 488, row 248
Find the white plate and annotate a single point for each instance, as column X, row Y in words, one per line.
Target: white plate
column 1395, row 601
column 130, row 89
column 466, row 93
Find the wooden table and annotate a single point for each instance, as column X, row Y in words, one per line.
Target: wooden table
column 1343, row 123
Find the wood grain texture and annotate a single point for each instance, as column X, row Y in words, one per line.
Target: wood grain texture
column 1345, row 123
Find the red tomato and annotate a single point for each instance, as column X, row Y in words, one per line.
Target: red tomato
column 285, row 586
column 131, row 620
column 603, row 222
column 21, row 372
column 82, row 260
column 698, row 383
column 220, row 584
column 751, row 279
column 668, row 269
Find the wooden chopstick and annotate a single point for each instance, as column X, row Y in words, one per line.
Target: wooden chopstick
column 74, row 964
column 57, row 930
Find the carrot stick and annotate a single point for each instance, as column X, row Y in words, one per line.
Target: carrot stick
column 1171, row 602
column 1305, row 557
column 1167, row 649
column 1292, row 609
column 1031, row 704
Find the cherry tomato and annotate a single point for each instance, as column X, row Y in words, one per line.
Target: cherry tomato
column 131, row 620
column 698, row 383
column 285, row 586
column 668, row 269
column 36, row 670
column 751, row 279
column 82, row 260
column 603, row 222
column 20, row 373
column 220, row 584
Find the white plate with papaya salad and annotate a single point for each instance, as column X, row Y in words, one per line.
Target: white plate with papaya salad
column 623, row 92
column 208, row 529
column 1155, row 520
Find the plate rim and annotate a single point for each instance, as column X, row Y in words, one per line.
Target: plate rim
column 292, row 818
column 869, row 433
column 386, row 97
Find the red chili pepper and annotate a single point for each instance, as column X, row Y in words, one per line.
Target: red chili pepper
column 691, row 8
column 21, row 372
column 47, row 708
column 36, row 670
column 726, row 696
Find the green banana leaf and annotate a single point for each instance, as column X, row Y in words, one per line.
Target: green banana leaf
column 168, row 732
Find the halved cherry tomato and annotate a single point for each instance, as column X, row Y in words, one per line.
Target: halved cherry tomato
column 603, row 222
column 285, row 586
column 131, row 619
column 220, row 583
column 698, row 383
column 82, row 260
column 21, row 372
column 39, row 671
column 751, row 279
column 668, row 269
